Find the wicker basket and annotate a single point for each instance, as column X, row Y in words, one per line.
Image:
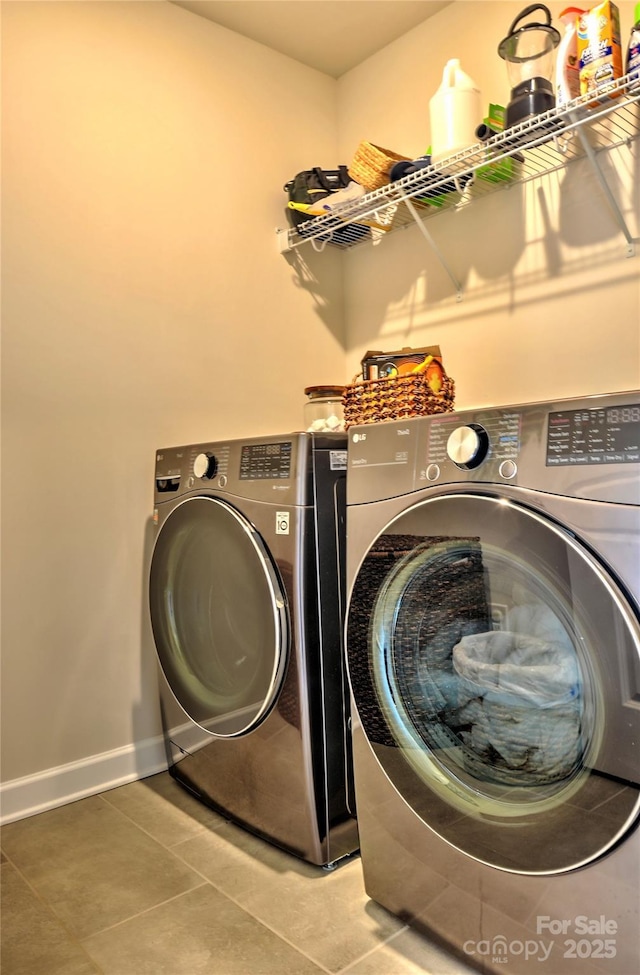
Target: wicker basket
column 395, row 398
column 371, row 164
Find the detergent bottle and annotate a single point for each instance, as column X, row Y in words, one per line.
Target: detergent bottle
column 633, row 51
column 454, row 111
column 567, row 61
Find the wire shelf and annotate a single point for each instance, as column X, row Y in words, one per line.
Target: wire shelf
column 584, row 127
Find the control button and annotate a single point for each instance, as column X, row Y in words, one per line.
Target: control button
column 508, row 468
column 468, row 446
column 222, row 480
column 205, row 465
column 433, row 472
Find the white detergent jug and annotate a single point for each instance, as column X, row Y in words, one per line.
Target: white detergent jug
column 455, row 111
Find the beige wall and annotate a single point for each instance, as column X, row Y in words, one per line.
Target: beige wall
column 145, row 304
column 551, row 303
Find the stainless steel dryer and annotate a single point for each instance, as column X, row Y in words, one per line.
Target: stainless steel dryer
column 493, row 646
column 246, row 594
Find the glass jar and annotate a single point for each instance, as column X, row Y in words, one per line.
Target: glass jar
column 323, row 409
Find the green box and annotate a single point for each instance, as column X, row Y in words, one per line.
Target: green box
column 505, row 170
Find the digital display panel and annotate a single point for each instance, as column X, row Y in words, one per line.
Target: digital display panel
column 599, row 436
column 265, row 461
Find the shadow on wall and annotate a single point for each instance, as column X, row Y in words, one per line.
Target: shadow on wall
column 148, row 706
column 497, row 240
column 415, row 267
column 408, row 272
column 581, row 186
column 493, row 297
column 566, row 223
column 321, row 275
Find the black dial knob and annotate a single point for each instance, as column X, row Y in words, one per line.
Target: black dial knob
column 468, row 446
column 205, row 466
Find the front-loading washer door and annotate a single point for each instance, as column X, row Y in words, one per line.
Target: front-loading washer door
column 219, row 616
column 495, row 665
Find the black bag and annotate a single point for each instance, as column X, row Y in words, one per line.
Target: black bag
column 315, row 184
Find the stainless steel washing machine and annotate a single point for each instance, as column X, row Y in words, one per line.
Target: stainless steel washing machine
column 493, row 647
column 246, row 595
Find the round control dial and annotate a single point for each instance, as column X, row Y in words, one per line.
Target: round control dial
column 205, row 465
column 468, row 446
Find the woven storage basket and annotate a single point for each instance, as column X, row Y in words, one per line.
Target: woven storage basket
column 371, row 164
column 395, row 398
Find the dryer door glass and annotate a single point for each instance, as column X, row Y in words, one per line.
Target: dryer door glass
column 494, row 665
column 219, row 616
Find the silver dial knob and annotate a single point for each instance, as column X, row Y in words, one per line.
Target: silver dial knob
column 205, row 465
column 468, row 446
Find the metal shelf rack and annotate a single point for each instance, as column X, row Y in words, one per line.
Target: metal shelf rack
column 585, row 127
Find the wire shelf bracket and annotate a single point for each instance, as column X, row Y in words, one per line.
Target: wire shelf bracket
column 434, row 246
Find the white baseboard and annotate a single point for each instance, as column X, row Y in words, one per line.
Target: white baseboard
column 53, row 787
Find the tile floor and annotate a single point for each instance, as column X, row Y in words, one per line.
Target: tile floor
column 145, row 880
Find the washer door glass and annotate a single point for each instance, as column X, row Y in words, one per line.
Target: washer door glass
column 219, row 616
column 492, row 662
